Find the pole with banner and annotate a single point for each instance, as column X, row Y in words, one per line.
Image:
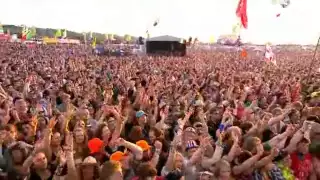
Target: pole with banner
column 313, row 58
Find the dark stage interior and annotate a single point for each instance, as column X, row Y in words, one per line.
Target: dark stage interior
column 168, row 48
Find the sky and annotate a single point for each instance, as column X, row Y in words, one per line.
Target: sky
column 298, row 23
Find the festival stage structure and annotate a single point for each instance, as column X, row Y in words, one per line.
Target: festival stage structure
column 165, row 45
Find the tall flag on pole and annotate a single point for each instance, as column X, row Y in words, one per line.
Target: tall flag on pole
column 64, row 34
column 241, row 12
column 58, row 33
column 90, row 35
column 269, row 56
column 244, row 53
column 127, row 38
column 236, row 29
column 1, row 29
column 94, row 42
column 29, row 35
column 25, row 32
column 285, row 3
column 33, row 31
column 147, row 34
column 212, row 39
column 85, row 37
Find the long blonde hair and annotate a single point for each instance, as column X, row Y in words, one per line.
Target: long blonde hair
column 175, row 157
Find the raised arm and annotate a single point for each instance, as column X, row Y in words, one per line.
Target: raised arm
column 163, row 114
column 276, row 141
column 155, row 158
column 295, row 139
column 72, row 171
column 249, row 162
column 135, row 149
column 264, row 161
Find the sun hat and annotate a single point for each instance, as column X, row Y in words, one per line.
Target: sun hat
column 89, row 161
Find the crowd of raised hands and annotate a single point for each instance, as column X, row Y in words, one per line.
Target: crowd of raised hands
column 68, row 114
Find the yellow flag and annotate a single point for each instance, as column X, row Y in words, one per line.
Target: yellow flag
column 236, row 28
column 212, row 40
column 94, row 42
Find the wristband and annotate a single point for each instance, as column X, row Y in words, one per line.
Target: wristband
column 221, row 127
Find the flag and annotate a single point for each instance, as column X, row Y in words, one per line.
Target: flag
column 90, row 35
column 269, row 56
column 29, row 35
column 84, row 37
column 24, row 32
column 64, row 34
column 128, row 38
column 212, row 39
column 156, row 22
column 285, row 3
column 244, row 53
column 241, row 12
column 94, row 42
column 33, row 31
column 236, row 29
column 58, row 33
column 1, row 29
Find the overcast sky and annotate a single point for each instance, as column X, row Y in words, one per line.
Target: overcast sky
column 298, row 23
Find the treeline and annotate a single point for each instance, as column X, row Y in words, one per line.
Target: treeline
column 49, row 32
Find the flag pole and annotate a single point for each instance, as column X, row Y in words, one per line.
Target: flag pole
column 312, row 61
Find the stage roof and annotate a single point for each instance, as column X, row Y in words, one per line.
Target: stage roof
column 164, row 38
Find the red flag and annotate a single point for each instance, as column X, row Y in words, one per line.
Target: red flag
column 23, row 37
column 244, row 53
column 242, row 13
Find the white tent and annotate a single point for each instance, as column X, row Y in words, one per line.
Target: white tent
column 164, row 38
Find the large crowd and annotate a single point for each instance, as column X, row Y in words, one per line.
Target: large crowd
column 67, row 114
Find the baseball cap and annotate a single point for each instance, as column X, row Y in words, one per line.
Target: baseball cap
column 140, row 113
column 117, row 156
column 143, row 144
column 95, row 145
column 191, row 144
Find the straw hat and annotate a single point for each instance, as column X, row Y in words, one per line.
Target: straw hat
column 89, row 161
